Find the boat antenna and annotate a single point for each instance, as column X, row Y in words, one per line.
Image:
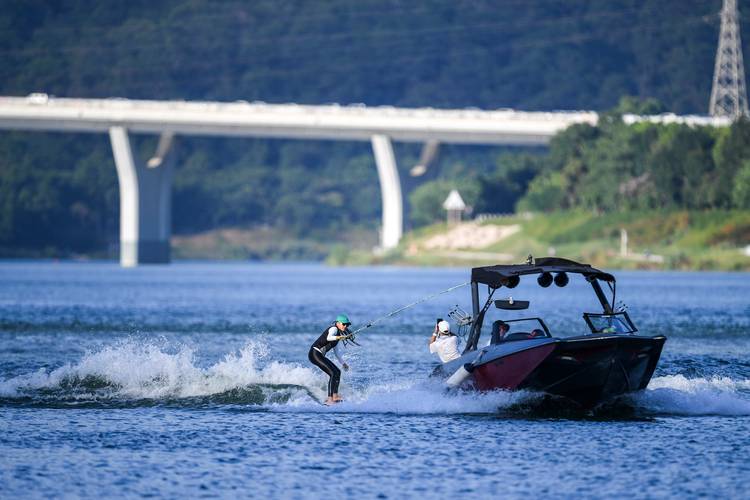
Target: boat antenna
column 404, row 308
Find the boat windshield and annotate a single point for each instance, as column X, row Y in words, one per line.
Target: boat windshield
column 610, row 323
column 518, row 329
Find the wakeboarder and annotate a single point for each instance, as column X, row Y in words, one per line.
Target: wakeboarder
column 327, row 341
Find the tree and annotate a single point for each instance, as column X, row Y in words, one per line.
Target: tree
column 741, row 188
column 546, row 193
column 731, row 150
column 679, row 165
column 500, row 191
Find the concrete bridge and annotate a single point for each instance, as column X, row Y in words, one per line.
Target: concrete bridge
column 145, row 189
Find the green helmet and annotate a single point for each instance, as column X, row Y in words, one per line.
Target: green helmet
column 343, row 318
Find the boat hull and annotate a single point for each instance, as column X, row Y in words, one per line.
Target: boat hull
column 588, row 369
column 594, row 369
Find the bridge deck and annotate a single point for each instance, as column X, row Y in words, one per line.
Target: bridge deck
column 358, row 122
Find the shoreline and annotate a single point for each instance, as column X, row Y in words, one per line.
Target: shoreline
column 322, row 263
column 649, row 240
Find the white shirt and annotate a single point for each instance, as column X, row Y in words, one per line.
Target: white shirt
column 333, row 332
column 446, row 346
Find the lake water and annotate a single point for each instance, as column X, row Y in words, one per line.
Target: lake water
column 193, row 380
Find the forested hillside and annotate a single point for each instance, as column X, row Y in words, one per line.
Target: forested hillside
column 59, row 193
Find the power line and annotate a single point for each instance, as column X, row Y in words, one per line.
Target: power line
column 390, row 39
column 387, row 34
column 400, row 56
column 404, row 47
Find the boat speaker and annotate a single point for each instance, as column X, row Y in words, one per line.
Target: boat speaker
column 544, row 279
column 561, row 279
column 513, row 282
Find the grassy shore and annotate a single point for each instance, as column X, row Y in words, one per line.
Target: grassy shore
column 712, row 240
column 269, row 244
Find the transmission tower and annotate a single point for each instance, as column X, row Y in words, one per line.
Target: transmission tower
column 729, row 94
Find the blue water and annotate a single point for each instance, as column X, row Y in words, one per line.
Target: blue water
column 193, row 380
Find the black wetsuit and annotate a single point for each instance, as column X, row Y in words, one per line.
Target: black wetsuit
column 317, row 357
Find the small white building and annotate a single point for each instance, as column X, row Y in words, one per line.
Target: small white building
column 455, row 206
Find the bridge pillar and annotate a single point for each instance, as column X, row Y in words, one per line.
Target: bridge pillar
column 390, row 192
column 145, row 202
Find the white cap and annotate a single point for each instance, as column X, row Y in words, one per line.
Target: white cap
column 444, row 327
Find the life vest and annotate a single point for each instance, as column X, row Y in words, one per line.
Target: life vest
column 324, row 345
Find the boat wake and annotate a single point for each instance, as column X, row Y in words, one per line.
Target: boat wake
column 680, row 395
column 133, row 373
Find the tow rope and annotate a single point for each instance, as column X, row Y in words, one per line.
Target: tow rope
column 350, row 336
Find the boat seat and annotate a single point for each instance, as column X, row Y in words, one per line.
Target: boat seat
column 517, row 336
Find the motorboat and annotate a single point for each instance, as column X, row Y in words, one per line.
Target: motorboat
column 610, row 359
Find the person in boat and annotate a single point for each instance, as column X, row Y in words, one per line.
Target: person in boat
column 499, row 329
column 328, row 341
column 444, row 342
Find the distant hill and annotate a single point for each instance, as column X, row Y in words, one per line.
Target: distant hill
column 543, row 54
column 58, row 193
